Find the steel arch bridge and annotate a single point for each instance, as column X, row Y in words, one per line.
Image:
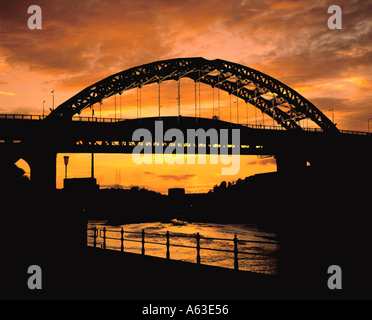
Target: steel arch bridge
column 286, row 106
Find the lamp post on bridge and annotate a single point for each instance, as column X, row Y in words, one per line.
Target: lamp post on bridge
column 53, row 99
column 333, row 115
column 43, row 109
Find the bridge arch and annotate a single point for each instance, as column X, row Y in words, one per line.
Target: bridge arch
column 286, row 106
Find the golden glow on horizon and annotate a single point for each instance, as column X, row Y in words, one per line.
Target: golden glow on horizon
column 119, row 169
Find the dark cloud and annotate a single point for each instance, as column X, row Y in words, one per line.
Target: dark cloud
column 291, row 40
column 262, row 162
column 78, row 37
column 174, row 177
column 177, row 177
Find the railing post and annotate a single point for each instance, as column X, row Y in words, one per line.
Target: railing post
column 104, row 238
column 95, row 237
column 143, row 241
column 168, row 245
column 198, row 248
column 236, row 259
column 122, row 239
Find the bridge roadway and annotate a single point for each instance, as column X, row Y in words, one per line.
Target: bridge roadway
column 39, row 141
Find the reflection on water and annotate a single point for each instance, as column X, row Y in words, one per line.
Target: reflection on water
column 262, row 257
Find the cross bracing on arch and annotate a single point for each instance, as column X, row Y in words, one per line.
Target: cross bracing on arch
column 272, row 97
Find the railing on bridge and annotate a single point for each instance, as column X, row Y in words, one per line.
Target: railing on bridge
column 95, row 119
column 112, row 120
column 266, row 127
column 359, row 133
column 21, row 117
column 102, row 233
column 41, row 117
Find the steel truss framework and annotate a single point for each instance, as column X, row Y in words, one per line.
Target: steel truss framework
column 286, row 106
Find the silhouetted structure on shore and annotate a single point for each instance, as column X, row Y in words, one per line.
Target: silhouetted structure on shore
column 80, row 184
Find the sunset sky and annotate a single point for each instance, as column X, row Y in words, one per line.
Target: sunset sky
column 82, row 42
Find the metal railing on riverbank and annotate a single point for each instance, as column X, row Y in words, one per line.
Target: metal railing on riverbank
column 102, row 234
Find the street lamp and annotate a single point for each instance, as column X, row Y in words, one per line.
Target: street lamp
column 43, row 108
column 66, row 158
column 53, row 98
column 333, row 115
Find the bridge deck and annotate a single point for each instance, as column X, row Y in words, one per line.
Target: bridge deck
column 28, row 117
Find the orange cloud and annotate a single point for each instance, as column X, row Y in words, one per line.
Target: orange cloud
column 285, row 5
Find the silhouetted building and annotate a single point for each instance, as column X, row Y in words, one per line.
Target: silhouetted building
column 176, row 192
column 79, row 184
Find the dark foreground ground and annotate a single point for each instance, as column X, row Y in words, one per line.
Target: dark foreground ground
column 99, row 274
column 92, row 273
column 318, row 225
column 114, row 275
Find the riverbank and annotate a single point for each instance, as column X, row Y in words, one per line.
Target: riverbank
column 258, row 249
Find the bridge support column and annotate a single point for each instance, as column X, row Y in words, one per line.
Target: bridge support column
column 43, row 169
column 290, row 163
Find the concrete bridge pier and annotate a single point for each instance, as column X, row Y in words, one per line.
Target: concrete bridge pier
column 290, row 163
column 43, row 169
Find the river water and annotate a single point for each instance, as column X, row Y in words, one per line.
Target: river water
column 263, row 250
